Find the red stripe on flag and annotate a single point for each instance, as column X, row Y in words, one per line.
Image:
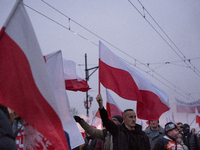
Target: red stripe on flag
column 126, row 89
column 113, row 110
column 20, row 93
column 75, row 85
column 198, row 119
column 151, row 103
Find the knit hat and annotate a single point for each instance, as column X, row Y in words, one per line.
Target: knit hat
column 119, row 118
column 170, row 126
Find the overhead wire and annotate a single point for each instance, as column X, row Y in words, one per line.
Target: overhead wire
column 183, row 59
column 60, row 25
column 111, row 45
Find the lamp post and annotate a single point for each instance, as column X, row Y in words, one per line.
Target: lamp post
column 87, row 76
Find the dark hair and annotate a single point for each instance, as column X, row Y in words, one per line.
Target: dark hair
column 153, row 120
column 126, row 111
column 179, row 123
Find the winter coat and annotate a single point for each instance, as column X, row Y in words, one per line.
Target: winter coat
column 90, row 143
column 153, row 138
column 192, row 141
column 166, row 143
column 99, row 134
column 124, row 139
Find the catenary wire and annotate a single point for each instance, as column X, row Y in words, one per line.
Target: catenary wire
column 113, row 45
column 183, row 59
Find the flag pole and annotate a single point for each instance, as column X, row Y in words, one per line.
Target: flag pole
column 99, row 86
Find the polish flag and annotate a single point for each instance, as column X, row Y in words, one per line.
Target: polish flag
column 72, row 81
column 197, row 116
column 96, row 121
column 24, row 83
column 129, row 84
column 54, row 63
column 112, row 107
column 147, row 122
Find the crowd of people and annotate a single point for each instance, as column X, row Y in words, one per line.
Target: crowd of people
column 118, row 133
column 126, row 134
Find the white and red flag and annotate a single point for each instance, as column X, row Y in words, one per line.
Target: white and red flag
column 96, row 121
column 112, row 107
column 24, row 83
column 187, row 107
column 54, row 63
column 129, row 84
column 72, row 81
column 197, row 116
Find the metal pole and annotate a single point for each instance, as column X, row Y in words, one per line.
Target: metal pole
column 86, row 78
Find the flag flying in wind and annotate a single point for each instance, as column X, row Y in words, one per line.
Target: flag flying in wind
column 129, row 84
column 72, row 81
column 187, row 107
column 96, row 121
column 54, row 63
column 197, row 116
column 112, row 107
column 24, row 83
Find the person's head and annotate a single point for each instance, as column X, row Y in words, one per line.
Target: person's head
column 117, row 119
column 186, row 129
column 171, row 130
column 154, row 124
column 129, row 117
column 180, row 126
column 193, row 131
column 198, row 134
column 179, row 138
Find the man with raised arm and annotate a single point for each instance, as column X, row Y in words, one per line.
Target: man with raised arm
column 128, row 135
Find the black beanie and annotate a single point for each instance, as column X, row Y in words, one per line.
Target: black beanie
column 119, row 118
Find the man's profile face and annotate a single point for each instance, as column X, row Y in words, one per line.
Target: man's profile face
column 153, row 124
column 173, row 133
column 130, row 118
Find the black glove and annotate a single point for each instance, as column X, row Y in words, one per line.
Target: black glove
column 77, row 118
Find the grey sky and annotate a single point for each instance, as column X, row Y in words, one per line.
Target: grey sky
column 120, row 24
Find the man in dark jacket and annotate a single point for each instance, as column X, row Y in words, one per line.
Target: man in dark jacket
column 168, row 142
column 126, row 136
column 189, row 139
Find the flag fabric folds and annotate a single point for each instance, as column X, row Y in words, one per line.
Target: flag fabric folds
column 72, row 81
column 116, row 75
column 24, row 83
column 197, row 116
column 112, row 107
column 183, row 107
column 54, row 63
